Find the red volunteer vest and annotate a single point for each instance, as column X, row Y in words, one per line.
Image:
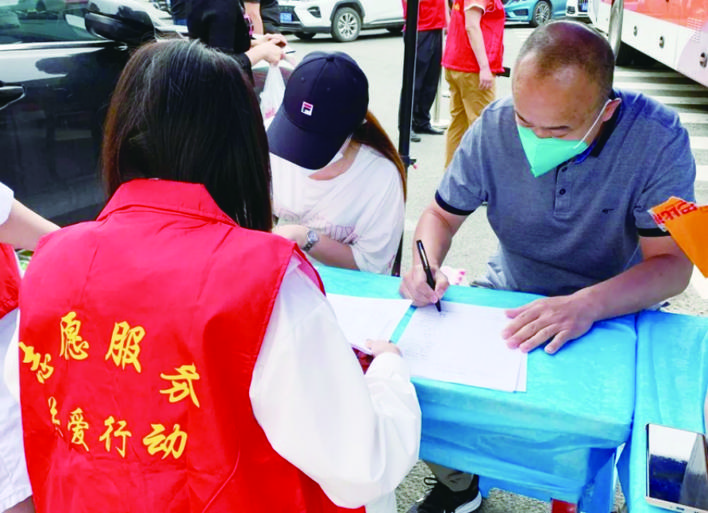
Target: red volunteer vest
column 139, row 334
column 458, row 53
column 9, row 280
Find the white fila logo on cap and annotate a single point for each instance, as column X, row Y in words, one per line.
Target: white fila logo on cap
column 306, row 108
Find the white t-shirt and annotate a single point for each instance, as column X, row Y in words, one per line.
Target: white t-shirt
column 363, row 207
column 6, row 199
column 358, row 455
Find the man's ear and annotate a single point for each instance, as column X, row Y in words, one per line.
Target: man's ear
column 610, row 109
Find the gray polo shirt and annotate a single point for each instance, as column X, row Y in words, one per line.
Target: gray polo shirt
column 579, row 224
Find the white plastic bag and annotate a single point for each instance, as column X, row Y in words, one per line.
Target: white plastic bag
column 273, row 91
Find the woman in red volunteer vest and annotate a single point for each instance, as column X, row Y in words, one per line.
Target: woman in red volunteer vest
column 473, row 56
column 21, row 228
column 178, row 357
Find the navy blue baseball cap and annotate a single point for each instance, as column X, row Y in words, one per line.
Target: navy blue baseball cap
column 326, row 99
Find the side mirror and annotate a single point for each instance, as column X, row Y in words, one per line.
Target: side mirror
column 126, row 21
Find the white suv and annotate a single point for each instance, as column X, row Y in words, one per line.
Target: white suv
column 344, row 19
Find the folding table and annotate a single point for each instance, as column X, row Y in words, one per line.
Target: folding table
column 557, row 441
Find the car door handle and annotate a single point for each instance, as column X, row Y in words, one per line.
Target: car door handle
column 10, row 94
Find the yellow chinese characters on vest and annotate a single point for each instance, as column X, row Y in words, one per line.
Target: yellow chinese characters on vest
column 73, row 347
column 125, row 345
column 688, row 225
column 38, row 363
column 115, row 435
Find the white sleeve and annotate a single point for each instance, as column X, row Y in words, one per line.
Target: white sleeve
column 381, row 226
column 9, row 327
column 356, row 436
column 6, row 199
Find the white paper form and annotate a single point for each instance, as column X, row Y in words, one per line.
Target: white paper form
column 363, row 318
column 463, row 344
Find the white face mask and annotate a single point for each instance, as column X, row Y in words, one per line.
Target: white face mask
column 337, row 157
column 340, row 153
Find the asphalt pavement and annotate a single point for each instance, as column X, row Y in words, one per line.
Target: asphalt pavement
column 380, row 55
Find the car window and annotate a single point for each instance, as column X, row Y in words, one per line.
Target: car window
column 39, row 21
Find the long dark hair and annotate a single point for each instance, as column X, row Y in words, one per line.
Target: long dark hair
column 184, row 112
column 372, row 134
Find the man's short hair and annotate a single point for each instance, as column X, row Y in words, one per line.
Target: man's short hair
column 560, row 44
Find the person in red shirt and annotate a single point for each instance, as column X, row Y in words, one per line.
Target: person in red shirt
column 432, row 20
column 473, row 55
column 177, row 356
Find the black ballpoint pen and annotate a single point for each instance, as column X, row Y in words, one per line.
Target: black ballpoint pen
column 426, row 268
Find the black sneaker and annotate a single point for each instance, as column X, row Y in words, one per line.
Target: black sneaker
column 440, row 499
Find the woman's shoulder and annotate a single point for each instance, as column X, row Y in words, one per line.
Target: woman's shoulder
column 370, row 157
column 380, row 172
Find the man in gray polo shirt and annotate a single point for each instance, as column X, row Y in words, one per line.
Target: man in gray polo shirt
column 568, row 168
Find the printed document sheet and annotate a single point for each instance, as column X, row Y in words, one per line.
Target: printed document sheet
column 463, row 344
column 363, row 318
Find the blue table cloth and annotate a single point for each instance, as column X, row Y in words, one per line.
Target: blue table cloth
column 672, row 377
column 557, row 440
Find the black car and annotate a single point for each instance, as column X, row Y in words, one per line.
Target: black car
column 56, row 77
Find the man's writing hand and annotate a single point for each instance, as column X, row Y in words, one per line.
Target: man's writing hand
column 555, row 320
column 414, row 286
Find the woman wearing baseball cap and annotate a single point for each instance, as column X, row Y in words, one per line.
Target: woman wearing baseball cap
column 338, row 182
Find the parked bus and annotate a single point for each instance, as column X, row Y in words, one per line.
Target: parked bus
column 674, row 32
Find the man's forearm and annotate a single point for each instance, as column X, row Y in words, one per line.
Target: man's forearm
column 476, row 38
column 564, row 318
column 642, row 286
column 474, row 34
column 436, row 234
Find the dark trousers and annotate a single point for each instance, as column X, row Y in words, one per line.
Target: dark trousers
column 270, row 14
column 427, row 77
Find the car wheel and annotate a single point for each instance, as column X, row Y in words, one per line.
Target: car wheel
column 395, row 30
column 541, row 13
column 305, row 36
column 346, row 25
column 624, row 54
